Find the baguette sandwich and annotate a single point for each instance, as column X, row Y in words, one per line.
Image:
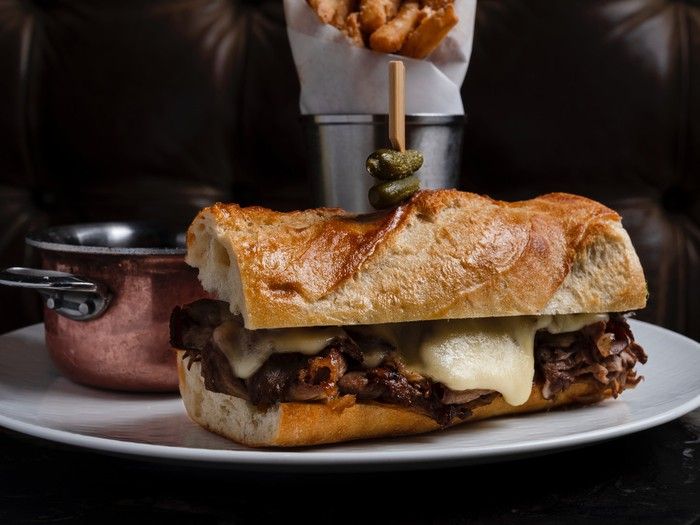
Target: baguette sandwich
column 448, row 308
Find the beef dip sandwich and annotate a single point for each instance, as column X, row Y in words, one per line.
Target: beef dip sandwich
column 448, row 308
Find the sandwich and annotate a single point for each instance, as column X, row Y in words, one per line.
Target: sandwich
column 452, row 307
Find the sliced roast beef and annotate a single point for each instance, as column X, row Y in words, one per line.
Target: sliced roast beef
column 191, row 325
column 460, row 397
column 386, row 384
column 602, row 353
column 272, row 382
column 297, row 377
column 217, row 373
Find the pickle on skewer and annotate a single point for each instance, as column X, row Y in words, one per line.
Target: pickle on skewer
column 390, row 193
column 389, row 164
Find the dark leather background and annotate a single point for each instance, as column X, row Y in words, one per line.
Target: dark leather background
column 144, row 109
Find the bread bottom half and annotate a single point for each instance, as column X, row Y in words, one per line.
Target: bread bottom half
column 304, row 424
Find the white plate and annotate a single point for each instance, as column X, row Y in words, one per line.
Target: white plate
column 36, row 400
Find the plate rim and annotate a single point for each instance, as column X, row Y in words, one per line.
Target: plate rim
column 296, row 458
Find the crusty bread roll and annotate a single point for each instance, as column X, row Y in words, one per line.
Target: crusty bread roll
column 444, row 254
column 304, row 424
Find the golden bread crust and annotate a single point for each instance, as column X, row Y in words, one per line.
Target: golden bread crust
column 443, row 254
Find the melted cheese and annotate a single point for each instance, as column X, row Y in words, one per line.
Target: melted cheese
column 246, row 350
column 486, row 354
column 490, row 354
column 561, row 324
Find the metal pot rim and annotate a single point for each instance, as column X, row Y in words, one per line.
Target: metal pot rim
column 85, row 238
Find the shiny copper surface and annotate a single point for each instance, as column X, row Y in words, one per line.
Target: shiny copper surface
column 127, row 348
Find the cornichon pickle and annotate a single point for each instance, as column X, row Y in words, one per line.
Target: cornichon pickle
column 389, row 164
column 390, row 193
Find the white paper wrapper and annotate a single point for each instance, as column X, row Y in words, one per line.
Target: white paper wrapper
column 338, row 77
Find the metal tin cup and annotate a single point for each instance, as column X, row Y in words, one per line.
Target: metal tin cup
column 338, row 146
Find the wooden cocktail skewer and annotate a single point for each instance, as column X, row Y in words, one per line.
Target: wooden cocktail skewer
column 397, row 105
column 395, row 168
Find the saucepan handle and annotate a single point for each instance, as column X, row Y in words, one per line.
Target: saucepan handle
column 69, row 295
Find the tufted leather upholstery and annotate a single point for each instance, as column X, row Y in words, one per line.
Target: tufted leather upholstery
column 149, row 109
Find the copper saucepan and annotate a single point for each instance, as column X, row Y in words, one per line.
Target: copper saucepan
column 108, row 291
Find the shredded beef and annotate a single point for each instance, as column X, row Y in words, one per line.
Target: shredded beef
column 459, row 397
column 217, row 373
column 191, row 329
column 602, row 353
column 297, row 377
column 386, row 384
column 192, row 325
column 273, row 380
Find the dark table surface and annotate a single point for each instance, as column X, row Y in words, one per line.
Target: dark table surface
column 648, row 477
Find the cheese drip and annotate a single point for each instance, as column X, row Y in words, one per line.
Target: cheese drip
column 247, row 350
column 463, row 354
column 490, row 354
